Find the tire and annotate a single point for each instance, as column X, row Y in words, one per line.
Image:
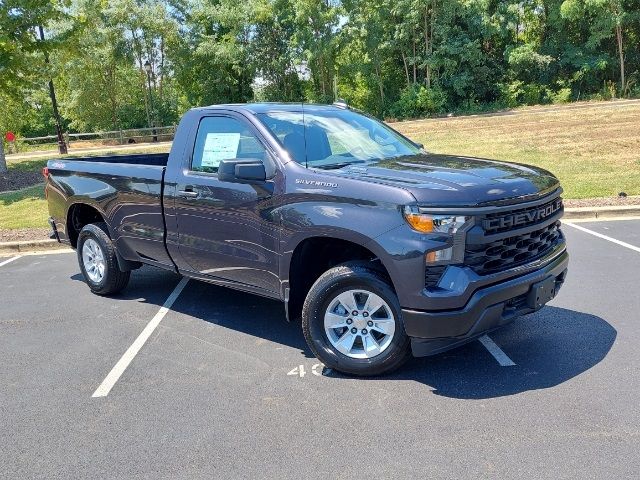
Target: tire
column 355, row 282
column 98, row 261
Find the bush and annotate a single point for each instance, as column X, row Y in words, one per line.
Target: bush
column 526, row 63
column 519, row 93
column 634, row 91
column 474, row 107
column 359, row 94
column 608, row 91
column 561, row 96
column 407, row 105
column 419, row 101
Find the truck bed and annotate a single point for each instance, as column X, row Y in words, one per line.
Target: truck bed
column 125, row 189
column 151, row 159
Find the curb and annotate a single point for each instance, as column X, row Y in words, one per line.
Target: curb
column 594, row 213
column 582, row 213
column 30, row 246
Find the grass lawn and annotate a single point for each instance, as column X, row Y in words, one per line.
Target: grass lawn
column 25, row 208
column 594, row 149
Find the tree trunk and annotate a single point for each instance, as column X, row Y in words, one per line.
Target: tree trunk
column 406, row 68
column 143, row 75
column 426, row 46
column 3, row 160
column 545, row 24
column 112, row 88
column 322, row 78
column 62, row 146
column 380, row 86
column 161, row 73
column 414, row 60
column 432, row 22
column 621, row 54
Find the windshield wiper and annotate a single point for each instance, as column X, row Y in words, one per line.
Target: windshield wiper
column 335, row 166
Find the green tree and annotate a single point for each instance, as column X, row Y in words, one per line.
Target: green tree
column 273, row 51
column 21, row 52
column 317, row 27
column 150, row 32
column 213, row 64
column 608, row 22
column 388, row 57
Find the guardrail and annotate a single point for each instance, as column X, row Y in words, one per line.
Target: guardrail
column 113, row 137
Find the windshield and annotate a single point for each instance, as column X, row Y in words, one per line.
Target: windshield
column 335, row 138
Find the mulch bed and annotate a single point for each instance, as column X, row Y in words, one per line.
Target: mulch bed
column 602, row 202
column 17, row 179
column 24, row 234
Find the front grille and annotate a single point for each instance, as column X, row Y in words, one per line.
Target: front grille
column 486, row 258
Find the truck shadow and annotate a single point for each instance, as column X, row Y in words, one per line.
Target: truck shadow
column 235, row 310
column 549, row 347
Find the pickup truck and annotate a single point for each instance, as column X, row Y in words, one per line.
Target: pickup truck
column 382, row 249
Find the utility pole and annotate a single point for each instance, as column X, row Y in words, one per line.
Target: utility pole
column 62, row 146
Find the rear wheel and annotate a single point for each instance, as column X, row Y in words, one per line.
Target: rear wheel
column 98, row 260
column 352, row 321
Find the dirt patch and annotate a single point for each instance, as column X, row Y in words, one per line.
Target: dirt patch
column 602, row 202
column 17, row 180
column 24, row 234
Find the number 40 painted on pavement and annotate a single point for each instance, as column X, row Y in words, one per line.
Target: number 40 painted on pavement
column 300, row 371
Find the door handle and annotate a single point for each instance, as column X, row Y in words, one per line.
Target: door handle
column 188, row 193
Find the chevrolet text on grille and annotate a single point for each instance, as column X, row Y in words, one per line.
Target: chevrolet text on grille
column 522, row 218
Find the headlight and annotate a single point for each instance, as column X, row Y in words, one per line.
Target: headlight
column 445, row 226
column 426, row 223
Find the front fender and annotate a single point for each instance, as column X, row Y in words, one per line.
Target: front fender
column 379, row 228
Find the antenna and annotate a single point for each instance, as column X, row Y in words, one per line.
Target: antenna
column 304, row 134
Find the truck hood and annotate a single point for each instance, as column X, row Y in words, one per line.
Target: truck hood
column 445, row 180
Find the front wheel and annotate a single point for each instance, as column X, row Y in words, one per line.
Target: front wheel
column 98, row 261
column 352, row 321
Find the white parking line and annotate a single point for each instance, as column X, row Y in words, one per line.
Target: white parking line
column 496, row 351
column 599, row 235
column 2, row 264
column 119, row 368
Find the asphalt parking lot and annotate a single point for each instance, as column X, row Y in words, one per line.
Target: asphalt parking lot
column 225, row 388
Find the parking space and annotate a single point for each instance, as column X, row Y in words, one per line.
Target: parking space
column 624, row 230
column 224, row 387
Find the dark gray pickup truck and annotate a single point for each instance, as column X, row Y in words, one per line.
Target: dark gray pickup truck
column 382, row 248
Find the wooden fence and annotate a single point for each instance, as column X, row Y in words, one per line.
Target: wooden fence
column 114, row 137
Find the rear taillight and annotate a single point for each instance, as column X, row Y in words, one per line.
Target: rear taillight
column 45, row 172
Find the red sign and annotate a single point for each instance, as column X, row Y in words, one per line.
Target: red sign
column 10, row 136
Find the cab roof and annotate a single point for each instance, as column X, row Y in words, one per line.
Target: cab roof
column 264, row 107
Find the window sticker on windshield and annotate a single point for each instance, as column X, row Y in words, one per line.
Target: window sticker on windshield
column 219, row 146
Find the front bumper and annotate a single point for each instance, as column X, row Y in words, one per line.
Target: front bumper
column 487, row 309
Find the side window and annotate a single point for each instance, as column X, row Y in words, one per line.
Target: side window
column 223, row 138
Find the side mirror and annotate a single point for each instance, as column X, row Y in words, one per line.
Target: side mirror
column 419, row 145
column 242, row 170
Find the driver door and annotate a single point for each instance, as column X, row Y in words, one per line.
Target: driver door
column 224, row 229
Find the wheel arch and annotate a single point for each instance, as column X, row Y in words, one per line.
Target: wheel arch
column 309, row 257
column 80, row 214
